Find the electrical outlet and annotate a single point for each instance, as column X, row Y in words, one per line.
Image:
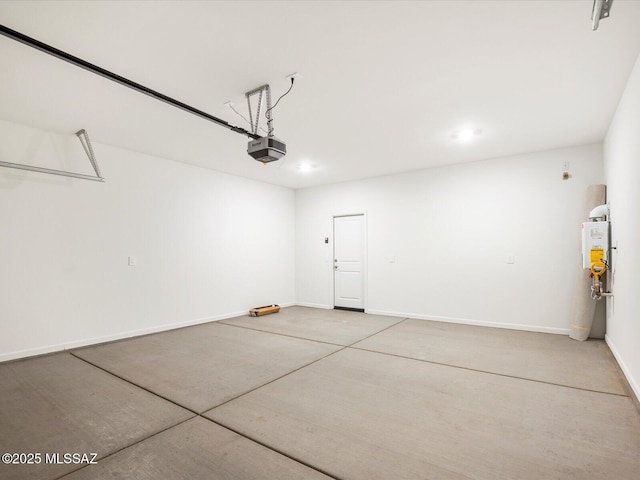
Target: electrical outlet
column 511, row 259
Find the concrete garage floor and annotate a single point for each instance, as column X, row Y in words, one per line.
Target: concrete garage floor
column 312, row 394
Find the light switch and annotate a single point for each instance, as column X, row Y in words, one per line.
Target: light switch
column 511, row 259
column 133, row 260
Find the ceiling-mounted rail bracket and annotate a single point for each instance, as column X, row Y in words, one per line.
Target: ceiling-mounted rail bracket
column 86, row 144
column 601, row 9
column 264, row 89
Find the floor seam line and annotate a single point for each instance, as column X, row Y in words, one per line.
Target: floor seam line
column 276, row 379
column 282, row 334
column 376, row 333
column 223, row 322
column 129, row 446
column 488, row 372
column 133, row 383
column 268, row 447
column 343, row 347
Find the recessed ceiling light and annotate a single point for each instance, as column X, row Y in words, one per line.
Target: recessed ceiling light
column 466, row 134
column 305, row 167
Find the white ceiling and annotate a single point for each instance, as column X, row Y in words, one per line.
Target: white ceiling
column 385, row 85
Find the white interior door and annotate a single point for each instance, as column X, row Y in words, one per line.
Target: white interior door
column 348, row 261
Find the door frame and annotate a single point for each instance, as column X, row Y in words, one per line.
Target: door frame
column 365, row 257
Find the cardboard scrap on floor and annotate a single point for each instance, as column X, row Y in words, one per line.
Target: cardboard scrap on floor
column 266, row 310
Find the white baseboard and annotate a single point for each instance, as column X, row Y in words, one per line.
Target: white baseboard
column 623, row 366
column 84, row 342
column 481, row 323
column 287, row 304
column 30, row 352
column 314, row 305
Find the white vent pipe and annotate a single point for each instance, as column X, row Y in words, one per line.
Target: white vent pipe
column 600, row 211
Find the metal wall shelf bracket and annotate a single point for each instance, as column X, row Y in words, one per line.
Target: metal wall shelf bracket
column 86, row 144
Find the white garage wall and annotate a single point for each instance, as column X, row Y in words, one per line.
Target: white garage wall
column 622, row 169
column 208, row 245
column 438, row 239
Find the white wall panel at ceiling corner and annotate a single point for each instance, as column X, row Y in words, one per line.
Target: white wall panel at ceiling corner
column 438, row 239
column 208, row 245
column 622, row 168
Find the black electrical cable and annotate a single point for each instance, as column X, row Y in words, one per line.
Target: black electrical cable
column 281, row 97
column 43, row 47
